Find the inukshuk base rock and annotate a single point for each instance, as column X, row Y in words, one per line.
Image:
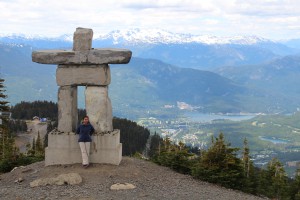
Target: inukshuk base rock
column 83, row 66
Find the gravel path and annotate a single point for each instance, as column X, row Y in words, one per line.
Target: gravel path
column 151, row 181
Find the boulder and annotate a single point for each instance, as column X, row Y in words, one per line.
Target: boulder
column 122, row 186
column 63, row 179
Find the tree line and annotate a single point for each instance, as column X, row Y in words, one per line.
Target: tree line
column 27, row 110
column 133, row 137
column 220, row 164
column 16, row 126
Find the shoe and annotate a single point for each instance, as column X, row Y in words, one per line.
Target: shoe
column 85, row 166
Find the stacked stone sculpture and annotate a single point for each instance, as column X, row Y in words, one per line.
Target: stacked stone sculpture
column 83, row 66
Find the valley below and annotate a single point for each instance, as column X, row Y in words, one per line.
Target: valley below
column 268, row 136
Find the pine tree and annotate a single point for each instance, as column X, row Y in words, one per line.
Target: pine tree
column 250, row 173
column 6, row 139
column 273, row 181
column 33, row 149
column 171, row 155
column 155, row 145
column 219, row 164
column 246, row 159
column 39, row 150
column 296, row 186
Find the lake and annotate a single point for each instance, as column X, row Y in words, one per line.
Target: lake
column 206, row 117
column 274, row 140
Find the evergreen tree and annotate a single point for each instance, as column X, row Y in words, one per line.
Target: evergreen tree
column 39, row 150
column 250, row 172
column 273, row 181
column 219, row 164
column 7, row 150
column 295, row 187
column 174, row 156
column 246, row 159
column 33, row 147
column 279, row 178
column 155, row 142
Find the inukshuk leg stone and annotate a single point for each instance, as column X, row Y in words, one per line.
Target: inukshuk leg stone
column 67, row 109
column 99, row 109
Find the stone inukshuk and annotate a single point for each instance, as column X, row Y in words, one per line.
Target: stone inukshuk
column 83, row 66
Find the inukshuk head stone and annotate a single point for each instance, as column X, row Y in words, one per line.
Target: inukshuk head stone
column 83, row 66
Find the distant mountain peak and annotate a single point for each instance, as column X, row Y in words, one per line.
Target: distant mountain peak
column 149, row 36
column 154, row 36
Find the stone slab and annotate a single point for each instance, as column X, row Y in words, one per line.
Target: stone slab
column 67, row 151
column 98, row 108
column 82, row 39
column 67, row 108
column 93, row 56
column 84, row 75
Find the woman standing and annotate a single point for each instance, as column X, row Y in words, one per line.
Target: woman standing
column 85, row 130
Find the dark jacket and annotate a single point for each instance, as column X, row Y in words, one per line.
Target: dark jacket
column 85, row 132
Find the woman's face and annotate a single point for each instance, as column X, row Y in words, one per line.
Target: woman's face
column 85, row 120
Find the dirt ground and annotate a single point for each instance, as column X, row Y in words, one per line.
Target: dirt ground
column 151, row 181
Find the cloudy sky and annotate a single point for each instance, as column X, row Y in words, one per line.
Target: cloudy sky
column 273, row 19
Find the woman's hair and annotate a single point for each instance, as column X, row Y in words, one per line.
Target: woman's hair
column 86, row 117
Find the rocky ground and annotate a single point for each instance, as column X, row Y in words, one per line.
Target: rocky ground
column 151, row 182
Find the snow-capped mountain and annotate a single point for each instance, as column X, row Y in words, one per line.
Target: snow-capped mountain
column 156, row 36
column 148, row 36
column 184, row 50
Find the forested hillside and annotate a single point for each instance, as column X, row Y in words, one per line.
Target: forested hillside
column 27, row 110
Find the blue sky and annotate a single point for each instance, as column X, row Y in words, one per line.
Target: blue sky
column 273, row 19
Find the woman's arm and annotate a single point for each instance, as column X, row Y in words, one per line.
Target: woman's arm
column 78, row 130
column 92, row 130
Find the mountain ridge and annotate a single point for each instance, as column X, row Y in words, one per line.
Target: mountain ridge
column 150, row 36
column 184, row 50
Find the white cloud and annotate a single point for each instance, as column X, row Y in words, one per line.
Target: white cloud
column 269, row 18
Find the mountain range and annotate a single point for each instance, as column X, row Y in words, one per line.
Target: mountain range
column 184, row 50
column 239, row 74
column 279, row 77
